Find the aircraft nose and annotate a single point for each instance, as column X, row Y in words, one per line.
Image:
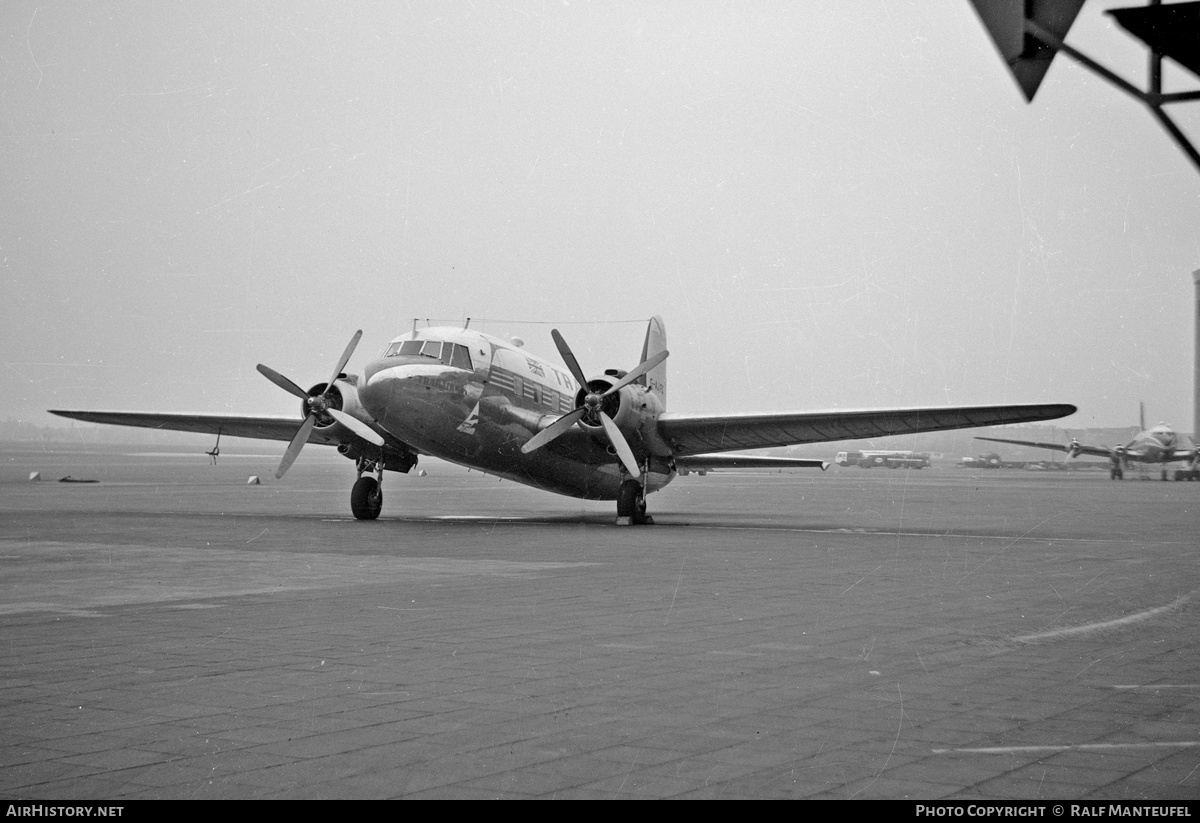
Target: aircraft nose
column 387, row 385
column 380, row 381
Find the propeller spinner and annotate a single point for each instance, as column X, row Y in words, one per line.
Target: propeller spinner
column 318, row 406
column 592, row 410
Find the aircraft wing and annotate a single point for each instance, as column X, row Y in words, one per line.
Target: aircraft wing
column 1094, row 451
column 691, row 434
column 701, row 462
column 253, row 426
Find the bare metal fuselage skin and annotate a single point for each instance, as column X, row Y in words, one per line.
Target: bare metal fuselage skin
column 479, row 414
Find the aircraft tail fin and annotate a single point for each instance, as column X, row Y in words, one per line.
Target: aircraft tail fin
column 656, row 341
column 1141, row 416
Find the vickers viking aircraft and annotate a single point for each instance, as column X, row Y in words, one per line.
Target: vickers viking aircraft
column 484, row 403
column 1157, row 445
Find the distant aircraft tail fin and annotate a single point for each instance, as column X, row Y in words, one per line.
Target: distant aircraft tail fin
column 656, row 341
column 1141, row 416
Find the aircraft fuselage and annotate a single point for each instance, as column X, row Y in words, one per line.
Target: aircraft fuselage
column 474, row 400
column 1155, row 445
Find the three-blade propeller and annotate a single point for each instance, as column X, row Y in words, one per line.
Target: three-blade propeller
column 318, row 405
column 592, row 410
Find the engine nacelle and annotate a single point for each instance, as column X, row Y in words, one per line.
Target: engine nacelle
column 1074, row 449
column 633, row 408
column 343, row 397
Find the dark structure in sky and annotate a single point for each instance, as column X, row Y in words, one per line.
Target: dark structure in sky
column 1028, row 33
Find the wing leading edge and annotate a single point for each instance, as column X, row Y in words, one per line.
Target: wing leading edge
column 691, row 434
column 252, row 426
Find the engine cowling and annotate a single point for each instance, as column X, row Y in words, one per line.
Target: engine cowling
column 343, row 396
column 633, row 408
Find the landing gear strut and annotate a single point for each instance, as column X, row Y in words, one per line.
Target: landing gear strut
column 366, row 498
column 631, row 505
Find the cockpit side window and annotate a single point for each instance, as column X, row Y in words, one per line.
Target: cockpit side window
column 461, row 358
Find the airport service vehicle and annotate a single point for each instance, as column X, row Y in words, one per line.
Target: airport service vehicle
column 487, row 404
column 883, row 459
column 991, row 460
column 1158, row 445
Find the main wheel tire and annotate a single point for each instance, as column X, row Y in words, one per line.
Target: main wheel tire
column 631, row 503
column 366, row 499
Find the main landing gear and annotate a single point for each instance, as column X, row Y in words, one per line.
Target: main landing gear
column 631, row 505
column 366, row 498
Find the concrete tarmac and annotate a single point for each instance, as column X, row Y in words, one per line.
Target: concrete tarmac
column 170, row 632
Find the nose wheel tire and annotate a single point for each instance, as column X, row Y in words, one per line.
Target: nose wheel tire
column 366, row 499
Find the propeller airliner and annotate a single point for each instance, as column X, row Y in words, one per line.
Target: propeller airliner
column 485, row 403
column 1158, row 445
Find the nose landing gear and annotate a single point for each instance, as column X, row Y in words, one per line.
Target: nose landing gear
column 366, row 498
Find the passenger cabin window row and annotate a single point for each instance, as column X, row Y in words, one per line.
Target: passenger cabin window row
column 452, row 354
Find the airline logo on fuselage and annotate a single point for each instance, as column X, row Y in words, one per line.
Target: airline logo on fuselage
column 468, row 425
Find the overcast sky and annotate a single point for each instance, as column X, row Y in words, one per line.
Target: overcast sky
column 832, row 205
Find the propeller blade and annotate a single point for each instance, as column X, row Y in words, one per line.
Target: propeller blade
column 555, row 429
column 345, row 359
column 572, row 364
column 552, row 431
column 281, row 381
column 293, row 449
column 357, row 426
column 618, row 441
column 645, row 366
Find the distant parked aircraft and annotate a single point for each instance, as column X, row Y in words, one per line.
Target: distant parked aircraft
column 1158, row 445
